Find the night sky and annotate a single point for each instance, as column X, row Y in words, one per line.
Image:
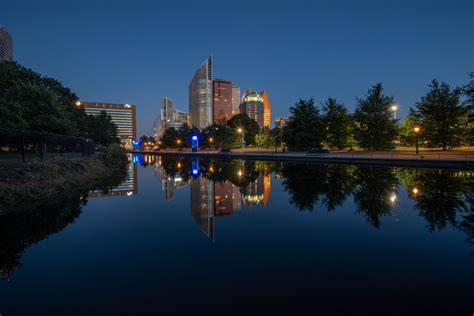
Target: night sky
column 137, row 52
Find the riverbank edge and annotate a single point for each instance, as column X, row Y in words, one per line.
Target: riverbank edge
column 303, row 157
column 24, row 185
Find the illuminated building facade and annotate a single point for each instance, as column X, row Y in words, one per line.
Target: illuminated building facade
column 169, row 117
column 267, row 121
column 258, row 191
column 123, row 115
column 222, row 101
column 6, row 45
column 202, row 204
column 128, row 187
column 235, row 100
column 252, row 104
column 224, row 198
column 281, row 122
column 200, row 96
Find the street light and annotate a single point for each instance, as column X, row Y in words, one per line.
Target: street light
column 241, row 131
column 417, row 130
column 394, row 109
column 210, row 141
column 179, row 143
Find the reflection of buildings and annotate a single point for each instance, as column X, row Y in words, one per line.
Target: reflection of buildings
column 169, row 184
column 202, row 204
column 123, row 115
column 128, row 187
column 226, row 198
column 258, row 191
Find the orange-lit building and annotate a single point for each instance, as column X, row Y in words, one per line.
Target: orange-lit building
column 222, row 101
column 267, row 121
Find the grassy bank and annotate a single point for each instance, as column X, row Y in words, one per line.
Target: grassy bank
column 24, row 186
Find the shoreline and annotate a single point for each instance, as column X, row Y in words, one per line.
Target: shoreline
column 428, row 160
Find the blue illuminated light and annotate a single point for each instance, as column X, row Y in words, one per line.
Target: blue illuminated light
column 195, row 137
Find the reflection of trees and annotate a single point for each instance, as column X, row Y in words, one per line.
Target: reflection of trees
column 34, row 221
column 305, row 183
column 442, row 196
column 339, row 185
column 375, row 187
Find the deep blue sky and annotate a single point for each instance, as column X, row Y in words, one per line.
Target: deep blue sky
column 137, row 52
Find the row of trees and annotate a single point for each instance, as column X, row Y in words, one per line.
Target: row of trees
column 34, row 102
column 443, row 118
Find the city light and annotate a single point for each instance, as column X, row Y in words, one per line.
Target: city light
column 416, row 129
column 78, row 102
column 415, row 191
column 239, row 130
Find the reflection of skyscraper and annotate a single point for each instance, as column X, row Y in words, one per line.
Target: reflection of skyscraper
column 169, row 184
column 223, row 198
column 200, row 96
column 202, row 204
column 128, row 187
column 258, row 191
column 222, row 100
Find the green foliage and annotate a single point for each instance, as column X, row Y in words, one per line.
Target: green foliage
column 407, row 133
column 338, row 123
column 265, row 138
column 169, row 138
column 223, row 136
column 375, row 128
column 277, row 134
column 185, row 132
column 33, row 102
column 114, row 157
column 249, row 127
column 305, row 127
column 442, row 116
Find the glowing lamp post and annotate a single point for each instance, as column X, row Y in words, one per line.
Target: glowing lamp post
column 417, row 130
column 179, row 143
column 241, row 131
column 394, row 109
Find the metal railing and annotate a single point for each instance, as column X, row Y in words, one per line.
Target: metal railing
column 26, row 145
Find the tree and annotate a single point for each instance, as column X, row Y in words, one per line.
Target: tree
column 222, row 135
column 338, row 124
column 406, row 131
column 249, row 127
column 265, row 138
column 442, row 116
column 468, row 91
column 277, row 134
column 170, row 138
column 375, row 128
column 305, row 128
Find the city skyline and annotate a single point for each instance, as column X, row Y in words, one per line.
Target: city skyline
column 317, row 50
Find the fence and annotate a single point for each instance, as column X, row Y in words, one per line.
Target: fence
column 36, row 146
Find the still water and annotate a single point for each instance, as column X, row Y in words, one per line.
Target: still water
column 251, row 237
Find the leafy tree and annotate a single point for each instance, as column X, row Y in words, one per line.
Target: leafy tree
column 170, row 138
column 442, row 116
column 468, row 91
column 265, row 138
column 277, row 134
column 338, row 123
column 305, row 128
column 249, row 127
column 375, row 128
column 407, row 131
column 223, row 136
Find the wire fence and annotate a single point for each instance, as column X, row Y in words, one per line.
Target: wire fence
column 23, row 145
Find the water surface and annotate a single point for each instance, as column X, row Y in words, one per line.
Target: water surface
column 256, row 237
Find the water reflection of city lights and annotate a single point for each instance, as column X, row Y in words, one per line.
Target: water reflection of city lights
column 240, row 173
column 415, row 191
column 393, row 198
column 179, row 165
column 129, row 193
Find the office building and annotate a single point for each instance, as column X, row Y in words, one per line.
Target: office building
column 235, row 100
column 281, row 122
column 222, row 101
column 200, row 96
column 123, row 115
column 267, row 121
column 6, row 45
column 252, row 104
column 169, row 117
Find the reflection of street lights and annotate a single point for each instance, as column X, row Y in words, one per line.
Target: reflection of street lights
column 394, row 109
column 415, row 191
column 417, row 130
column 241, row 131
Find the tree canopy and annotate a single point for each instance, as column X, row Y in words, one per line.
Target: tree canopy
column 338, row 124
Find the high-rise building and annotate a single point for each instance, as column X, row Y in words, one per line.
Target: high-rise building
column 252, row 104
column 6, row 45
column 200, row 96
column 281, row 122
column 235, row 100
column 202, row 204
column 222, row 101
column 266, row 110
column 123, row 115
column 169, row 117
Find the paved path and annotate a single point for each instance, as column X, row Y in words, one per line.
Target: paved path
column 455, row 159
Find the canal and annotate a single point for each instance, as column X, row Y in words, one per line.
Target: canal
column 199, row 236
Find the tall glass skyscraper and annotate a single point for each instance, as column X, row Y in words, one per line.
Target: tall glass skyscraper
column 200, row 96
column 6, row 45
column 235, row 100
column 252, row 104
column 222, row 101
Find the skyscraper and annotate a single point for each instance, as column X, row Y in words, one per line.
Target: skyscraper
column 202, row 204
column 266, row 110
column 169, row 117
column 222, row 101
column 123, row 115
column 235, row 100
column 200, row 96
column 6, row 45
column 253, row 105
